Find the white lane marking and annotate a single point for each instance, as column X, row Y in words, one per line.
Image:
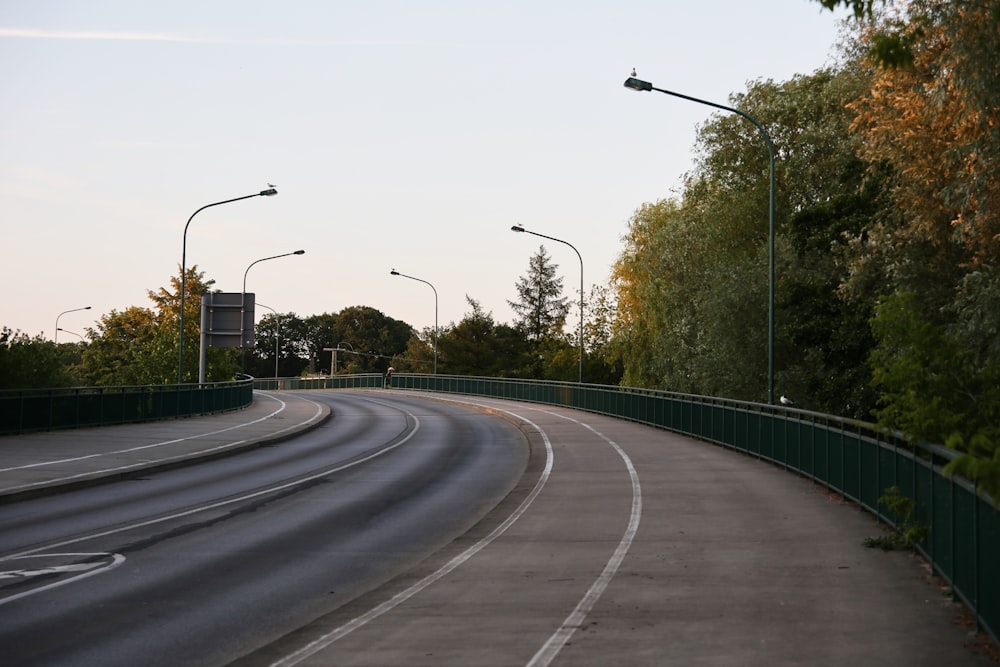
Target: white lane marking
column 318, row 645
column 164, row 442
column 560, row 637
column 86, row 570
column 548, row 652
column 229, row 501
column 104, row 471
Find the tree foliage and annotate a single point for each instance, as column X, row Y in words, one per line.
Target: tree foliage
column 30, row 362
column 540, row 307
column 478, row 345
column 932, row 125
column 692, row 280
column 138, row 346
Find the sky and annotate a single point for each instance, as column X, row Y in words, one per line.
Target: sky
column 399, row 135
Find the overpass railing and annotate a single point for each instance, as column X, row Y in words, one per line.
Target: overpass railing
column 28, row 410
column 358, row 381
column 855, row 459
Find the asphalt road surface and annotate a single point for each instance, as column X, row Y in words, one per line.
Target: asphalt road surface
column 199, row 565
column 419, row 530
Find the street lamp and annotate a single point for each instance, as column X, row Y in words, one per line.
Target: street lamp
column 270, row 192
column 394, row 272
column 56, row 334
column 277, row 333
column 638, row 84
column 519, row 228
column 243, row 296
column 339, row 349
column 71, row 332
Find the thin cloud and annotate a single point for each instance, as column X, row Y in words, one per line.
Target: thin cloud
column 30, row 33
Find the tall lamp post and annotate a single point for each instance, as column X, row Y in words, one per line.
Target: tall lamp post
column 638, row 84
column 394, row 272
column 71, row 332
column 56, row 334
column 270, row 192
column 519, row 228
column 339, row 349
column 243, row 296
column 277, row 333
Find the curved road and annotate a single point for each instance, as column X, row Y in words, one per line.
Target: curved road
column 202, row 564
column 495, row 533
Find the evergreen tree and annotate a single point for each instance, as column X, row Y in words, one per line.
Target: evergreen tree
column 540, row 307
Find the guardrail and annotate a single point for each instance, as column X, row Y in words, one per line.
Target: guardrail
column 358, row 381
column 27, row 410
column 853, row 458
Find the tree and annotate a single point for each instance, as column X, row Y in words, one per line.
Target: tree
column 139, row 345
column 931, row 121
column 418, row 357
column 34, row 362
column 691, row 281
column 649, row 276
column 937, row 389
column 477, row 345
column 540, row 307
column 289, row 332
column 374, row 337
column 128, row 348
column 602, row 362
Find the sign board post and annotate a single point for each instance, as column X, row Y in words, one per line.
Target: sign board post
column 226, row 321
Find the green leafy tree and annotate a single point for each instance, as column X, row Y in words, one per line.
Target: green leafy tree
column 936, row 389
column 479, row 346
column 138, row 345
column 33, row 362
column 286, row 333
column 130, row 348
column 418, row 357
column 692, row 283
column 374, row 337
column 602, row 361
column 930, row 121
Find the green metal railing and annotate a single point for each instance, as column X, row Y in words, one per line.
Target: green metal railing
column 851, row 457
column 27, row 410
column 359, row 381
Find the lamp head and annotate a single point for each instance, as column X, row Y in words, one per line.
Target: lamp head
column 86, row 307
column 394, row 272
column 299, row 252
column 270, row 192
column 517, row 228
column 637, row 84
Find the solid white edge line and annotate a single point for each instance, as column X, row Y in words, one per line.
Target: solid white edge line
column 321, row 643
column 560, row 637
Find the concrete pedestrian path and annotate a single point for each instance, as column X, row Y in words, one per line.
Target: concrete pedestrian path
column 53, row 461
